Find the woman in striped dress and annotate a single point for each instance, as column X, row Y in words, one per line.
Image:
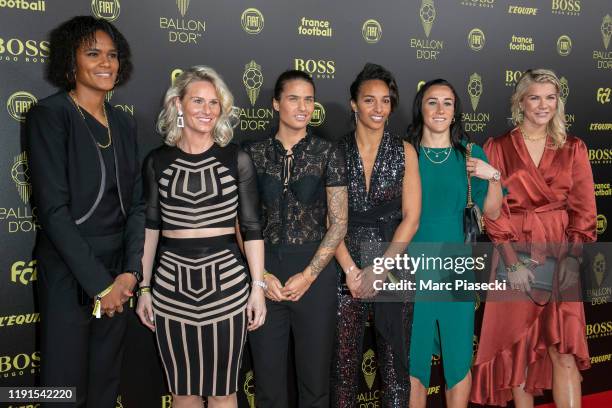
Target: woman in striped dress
column 197, row 188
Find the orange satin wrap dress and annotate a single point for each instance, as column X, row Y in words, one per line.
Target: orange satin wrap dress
column 553, row 202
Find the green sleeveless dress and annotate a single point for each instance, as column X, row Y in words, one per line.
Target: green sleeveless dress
column 443, row 322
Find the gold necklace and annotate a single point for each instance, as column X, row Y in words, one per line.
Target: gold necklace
column 447, row 151
column 531, row 139
column 110, row 139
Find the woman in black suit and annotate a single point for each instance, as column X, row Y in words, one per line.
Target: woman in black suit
column 87, row 188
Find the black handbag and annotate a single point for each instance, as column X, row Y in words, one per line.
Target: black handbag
column 473, row 223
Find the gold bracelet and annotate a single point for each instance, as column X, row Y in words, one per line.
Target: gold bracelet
column 96, row 309
column 144, row 289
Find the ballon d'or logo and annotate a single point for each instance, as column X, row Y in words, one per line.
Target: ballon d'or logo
column 20, row 173
column 368, row 367
column 476, row 39
column 427, row 12
column 475, row 89
column 318, row 115
column 106, row 9
column 252, row 21
column 599, row 268
column 564, row 89
column 182, row 5
column 371, row 31
column 606, row 30
column 249, row 388
column 564, row 45
column 253, row 80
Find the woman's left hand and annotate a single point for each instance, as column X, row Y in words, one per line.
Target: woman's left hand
column 256, row 308
column 479, row 168
column 296, row 286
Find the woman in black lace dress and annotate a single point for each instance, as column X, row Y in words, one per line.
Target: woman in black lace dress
column 384, row 197
column 302, row 184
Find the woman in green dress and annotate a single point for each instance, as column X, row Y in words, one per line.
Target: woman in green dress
column 442, row 323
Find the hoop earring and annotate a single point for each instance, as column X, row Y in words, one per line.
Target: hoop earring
column 453, row 120
column 180, row 122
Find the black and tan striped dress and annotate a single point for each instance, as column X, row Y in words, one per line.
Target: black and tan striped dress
column 201, row 286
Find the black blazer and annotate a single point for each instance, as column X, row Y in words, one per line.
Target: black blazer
column 68, row 175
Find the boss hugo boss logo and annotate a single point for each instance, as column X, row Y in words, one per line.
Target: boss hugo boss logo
column 39, row 5
column 106, row 9
column 511, row 77
column 599, row 329
column 478, row 3
column 252, row 21
column 320, row 69
column 183, row 30
column 371, row 30
column 566, row 7
column 600, row 156
column 19, row 364
column 18, row 50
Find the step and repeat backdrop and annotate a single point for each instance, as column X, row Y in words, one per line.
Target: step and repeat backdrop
column 481, row 46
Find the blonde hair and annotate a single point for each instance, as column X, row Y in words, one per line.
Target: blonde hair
column 224, row 128
column 556, row 126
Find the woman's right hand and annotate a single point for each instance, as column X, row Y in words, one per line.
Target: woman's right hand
column 353, row 282
column 144, row 310
column 521, row 278
column 274, row 290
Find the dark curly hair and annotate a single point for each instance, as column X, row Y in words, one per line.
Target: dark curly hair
column 414, row 133
column 65, row 39
column 372, row 71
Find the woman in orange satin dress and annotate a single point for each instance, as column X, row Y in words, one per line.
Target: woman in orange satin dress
column 549, row 212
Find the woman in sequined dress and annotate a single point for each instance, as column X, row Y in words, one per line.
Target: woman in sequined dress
column 384, row 192
column 443, row 324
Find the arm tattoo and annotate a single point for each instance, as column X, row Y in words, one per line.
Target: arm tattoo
column 337, row 210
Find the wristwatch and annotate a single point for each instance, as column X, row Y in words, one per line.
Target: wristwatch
column 495, row 177
column 137, row 275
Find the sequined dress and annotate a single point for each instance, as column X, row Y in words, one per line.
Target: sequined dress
column 373, row 218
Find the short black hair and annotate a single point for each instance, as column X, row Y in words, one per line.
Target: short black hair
column 65, row 39
column 370, row 72
column 290, row 75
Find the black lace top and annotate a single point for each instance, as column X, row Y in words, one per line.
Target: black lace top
column 206, row 190
column 292, row 187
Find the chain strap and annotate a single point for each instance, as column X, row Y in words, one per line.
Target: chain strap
column 468, row 156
